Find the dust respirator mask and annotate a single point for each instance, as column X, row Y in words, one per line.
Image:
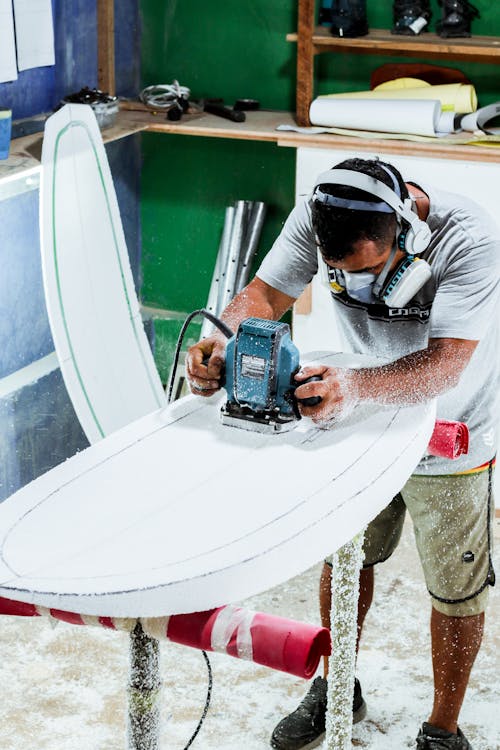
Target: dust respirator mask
column 394, row 287
column 360, row 285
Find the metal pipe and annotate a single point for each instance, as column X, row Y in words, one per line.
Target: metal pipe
column 225, row 250
column 220, row 265
column 256, row 222
column 235, row 244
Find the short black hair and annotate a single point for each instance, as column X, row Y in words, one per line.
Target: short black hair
column 338, row 229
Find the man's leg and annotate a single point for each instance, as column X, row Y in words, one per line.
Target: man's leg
column 455, row 644
column 366, row 585
column 452, row 522
column 306, row 725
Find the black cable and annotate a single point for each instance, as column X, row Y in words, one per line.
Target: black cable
column 213, row 319
column 207, row 701
column 228, row 333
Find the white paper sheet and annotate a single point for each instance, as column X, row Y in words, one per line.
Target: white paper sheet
column 8, row 69
column 34, row 33
column 418, row 117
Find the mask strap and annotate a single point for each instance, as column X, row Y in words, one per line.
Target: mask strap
column 381, row 278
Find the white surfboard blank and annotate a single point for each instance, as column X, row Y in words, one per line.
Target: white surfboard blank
column 94, row 315
column 176, row 513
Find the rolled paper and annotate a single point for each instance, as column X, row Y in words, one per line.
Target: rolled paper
column 454, row 97
column 482, row 118
column 417, row 117
column 449, row 439
column 276, row 642
column 448, row 122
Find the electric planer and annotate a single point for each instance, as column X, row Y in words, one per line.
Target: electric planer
column 261, row 362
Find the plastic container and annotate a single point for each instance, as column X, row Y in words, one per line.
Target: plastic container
column 5, row 131
column 105, row 113
column 104, row 105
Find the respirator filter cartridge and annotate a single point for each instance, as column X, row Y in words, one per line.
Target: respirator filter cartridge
column 408, row 279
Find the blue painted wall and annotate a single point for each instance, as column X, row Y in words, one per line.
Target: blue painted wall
column 38, row 426
column 38, row 430
column 75, row 36
column 24, row 327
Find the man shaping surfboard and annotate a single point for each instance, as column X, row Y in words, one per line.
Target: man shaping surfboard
column 435, row 317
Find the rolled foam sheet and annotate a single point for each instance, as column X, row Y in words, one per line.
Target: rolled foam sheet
column 454, row 97
column 411, row 117
column 275, row 642
column 449, row 439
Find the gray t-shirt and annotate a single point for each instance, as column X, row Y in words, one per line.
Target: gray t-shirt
column 461, row 300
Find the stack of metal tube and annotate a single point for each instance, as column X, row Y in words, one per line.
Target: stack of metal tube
column 239, row 242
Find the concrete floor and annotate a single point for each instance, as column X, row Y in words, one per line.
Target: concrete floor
column 64, row 688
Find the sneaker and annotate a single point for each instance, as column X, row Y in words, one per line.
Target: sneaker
column 305, row 727
column 433, row 738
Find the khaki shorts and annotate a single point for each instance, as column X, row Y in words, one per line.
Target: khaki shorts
column 453, row 523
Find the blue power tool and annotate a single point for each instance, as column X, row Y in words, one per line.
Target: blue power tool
column 261, row 362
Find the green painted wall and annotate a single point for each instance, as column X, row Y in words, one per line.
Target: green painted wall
column 186, row 185
column 224, row 48
column 233, row 49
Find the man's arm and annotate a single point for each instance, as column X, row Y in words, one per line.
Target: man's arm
column 416, row 377
column 257, row 300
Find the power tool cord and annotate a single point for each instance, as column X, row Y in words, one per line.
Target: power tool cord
column 228, row 333
column 207, row 701
column 213, row 319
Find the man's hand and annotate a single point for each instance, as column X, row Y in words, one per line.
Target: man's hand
column 205, row 364
column 337, row 390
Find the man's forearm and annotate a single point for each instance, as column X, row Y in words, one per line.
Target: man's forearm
column 257, row 300
column 416, row 377
column 246, row 305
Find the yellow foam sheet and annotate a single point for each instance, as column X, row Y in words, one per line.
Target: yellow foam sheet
column 454, row 97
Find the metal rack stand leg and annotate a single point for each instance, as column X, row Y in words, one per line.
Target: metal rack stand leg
column 347, row 562
column 144, row 692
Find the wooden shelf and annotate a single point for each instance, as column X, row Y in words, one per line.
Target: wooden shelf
column 484, row 49
column 25, row 152
column 313, row 40
column 259, row 126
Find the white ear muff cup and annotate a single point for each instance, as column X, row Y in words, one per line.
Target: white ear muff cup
column 418, row 237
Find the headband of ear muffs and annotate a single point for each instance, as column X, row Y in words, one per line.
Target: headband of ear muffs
column 413, row 240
